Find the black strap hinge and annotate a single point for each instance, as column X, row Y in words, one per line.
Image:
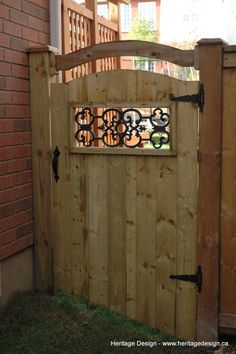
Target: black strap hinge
column 195, row 98
column 194, row 278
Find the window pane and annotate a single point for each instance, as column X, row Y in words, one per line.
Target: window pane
column 148, row 65
column 147, row 11
column 125, row 17
column 103, row 10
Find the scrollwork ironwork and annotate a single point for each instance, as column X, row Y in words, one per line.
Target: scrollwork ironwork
column 123, row 128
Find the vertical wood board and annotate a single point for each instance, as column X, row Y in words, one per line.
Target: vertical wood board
column 228, row 199
column 166, row 223
column 79, row 225
column 146, row 240
column 131, row 227
column 187, row 174
column 61, row 190
column 98, row 229
column 116, row 170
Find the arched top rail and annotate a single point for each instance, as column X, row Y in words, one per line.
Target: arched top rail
column 125, row 48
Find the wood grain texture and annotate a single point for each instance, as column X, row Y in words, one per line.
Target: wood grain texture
column 125, row 48
column 61, row 234
column 94, row 33
column 116, row 169
column 128, row 212
column 131, row 221
column 82, row 10
column 78, row 225
column 146, row 240
column 229, row 60
column 97, row 226
column 40, row 92
column 106, row 23
column 96, row 89
column 228, row 200
column 187, row 171
column 230, row 49
column 118, row 151
column 166, row 225
column 227, row 320
column 210, row 62
column 66, row 48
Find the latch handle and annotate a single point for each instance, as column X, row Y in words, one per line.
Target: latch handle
column 55, row 161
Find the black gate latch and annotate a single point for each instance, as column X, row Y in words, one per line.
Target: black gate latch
column 196, row 98
column 55, row 160
column 194, row 278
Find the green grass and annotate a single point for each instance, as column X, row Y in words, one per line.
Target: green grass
column 38, row 323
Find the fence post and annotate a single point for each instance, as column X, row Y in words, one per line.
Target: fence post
column 210, row 56
column 42, row 73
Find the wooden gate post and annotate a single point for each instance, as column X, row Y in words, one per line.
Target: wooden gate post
column 210, row 53
column 42, row 73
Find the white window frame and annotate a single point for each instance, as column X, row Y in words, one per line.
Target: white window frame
column 147, row 10
column 145, row 64
column 103, row 10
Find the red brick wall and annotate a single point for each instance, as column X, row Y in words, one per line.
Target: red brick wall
column 22, row 23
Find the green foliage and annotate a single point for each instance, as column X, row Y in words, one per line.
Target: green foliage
column 142, row 31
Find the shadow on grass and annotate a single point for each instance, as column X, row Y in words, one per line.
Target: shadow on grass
column 64, row 324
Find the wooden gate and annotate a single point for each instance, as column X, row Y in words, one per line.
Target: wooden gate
column 119, row 216
column 125, row 218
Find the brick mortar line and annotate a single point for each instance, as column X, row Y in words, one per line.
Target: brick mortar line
column 21, row 25
column 17, row 241
column 18, row 186
column 20, row 10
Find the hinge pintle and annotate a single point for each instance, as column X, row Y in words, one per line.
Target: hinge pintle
column 194, row 278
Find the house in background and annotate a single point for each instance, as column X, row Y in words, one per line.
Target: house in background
column 192, row 23
column 136, row 10
column 189, row 21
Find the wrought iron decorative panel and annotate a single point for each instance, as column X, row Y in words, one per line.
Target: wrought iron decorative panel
column 128, row 128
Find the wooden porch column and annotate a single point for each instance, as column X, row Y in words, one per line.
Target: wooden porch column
column 92, row 5
column 210, row 58
column 66, row 46
column 42, row 73
column 115, row 13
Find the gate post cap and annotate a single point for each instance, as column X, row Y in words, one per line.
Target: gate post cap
column 214, row 41
column 43, row 49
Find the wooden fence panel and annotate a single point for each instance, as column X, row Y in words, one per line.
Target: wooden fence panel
column 228, row 204
column 73, row 219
